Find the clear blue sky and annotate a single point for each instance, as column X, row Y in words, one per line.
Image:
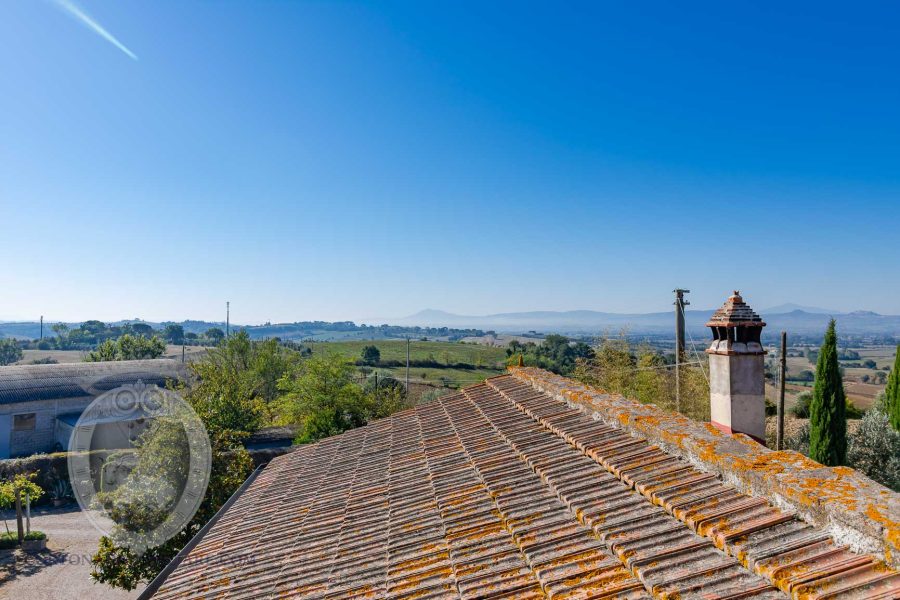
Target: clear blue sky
column 352, row 160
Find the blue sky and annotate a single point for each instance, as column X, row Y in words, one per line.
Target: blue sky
column 359, row 161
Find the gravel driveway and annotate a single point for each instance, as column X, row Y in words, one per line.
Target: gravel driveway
column 60, row 572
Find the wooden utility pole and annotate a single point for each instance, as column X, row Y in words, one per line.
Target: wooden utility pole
column 680, row 303
column 407, row 366
column 20, row 530
column 227, row 319
column 779, row 435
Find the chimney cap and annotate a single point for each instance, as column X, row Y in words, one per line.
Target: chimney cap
column 735, row 313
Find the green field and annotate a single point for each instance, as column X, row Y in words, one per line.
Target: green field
column 443, row 352
column 862, row 394
column 487, row 361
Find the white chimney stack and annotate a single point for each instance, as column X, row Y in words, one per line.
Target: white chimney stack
column 737, row 385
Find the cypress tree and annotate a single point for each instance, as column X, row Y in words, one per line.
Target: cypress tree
column 827, row 411
column 892, row 393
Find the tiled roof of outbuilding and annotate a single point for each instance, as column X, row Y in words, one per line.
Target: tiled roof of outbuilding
column 26, row 383
column 503, row 491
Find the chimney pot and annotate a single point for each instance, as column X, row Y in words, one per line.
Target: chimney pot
column 737, row 385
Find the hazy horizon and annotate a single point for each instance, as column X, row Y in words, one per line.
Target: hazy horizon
column 391, row 319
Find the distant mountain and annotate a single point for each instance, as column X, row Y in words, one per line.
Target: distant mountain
column 806, row 321
column 791, row 307
column 572, row 321
column 799, row 321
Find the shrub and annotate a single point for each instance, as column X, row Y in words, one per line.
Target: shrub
column 370, row 355
column 433, row 394
column 799, row 440
column 852, row 411
column 11, row 540
column 10, row 351
column 804, row 376
column 800, row 409
column 47, row 360
column 875, row 449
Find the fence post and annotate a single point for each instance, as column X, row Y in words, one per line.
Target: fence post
column 779, row 434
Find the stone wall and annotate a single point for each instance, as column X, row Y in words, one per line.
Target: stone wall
column 855, row 510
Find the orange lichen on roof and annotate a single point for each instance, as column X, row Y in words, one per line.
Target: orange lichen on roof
column 525, row 487
column 837, row 498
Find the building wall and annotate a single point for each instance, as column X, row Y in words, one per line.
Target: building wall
column 44, row 435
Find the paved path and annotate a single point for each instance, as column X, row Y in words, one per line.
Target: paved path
column 63, row 570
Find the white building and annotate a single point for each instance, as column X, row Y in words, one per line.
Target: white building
column 40, row 404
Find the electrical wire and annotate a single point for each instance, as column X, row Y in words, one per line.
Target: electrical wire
column 693, row 346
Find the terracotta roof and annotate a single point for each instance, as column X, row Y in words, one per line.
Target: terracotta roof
column 504, row 491
column 735, row 313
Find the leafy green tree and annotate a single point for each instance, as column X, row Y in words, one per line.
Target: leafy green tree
column 236, row 382
column 647, row 386
column 227, row 394
column 371, row 355
column 174, row 333
column 323, row 399
column 93, row 326
column 141, row 329
column 892, row 393
column 138, row 347
column 214, row 334
column 556, row 353
column 827, row 411
column 10, row 351
column 118, row 566
column 127, row 347
column 385, row 397
column 612, row 367
column 16, row 488
column 641, row 373
column 62, row 335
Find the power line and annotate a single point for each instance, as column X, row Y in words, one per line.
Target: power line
column 697, row 354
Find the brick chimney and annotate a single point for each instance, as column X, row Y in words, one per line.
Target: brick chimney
column 737, row 388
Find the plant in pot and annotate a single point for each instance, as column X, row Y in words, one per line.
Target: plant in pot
column 35, row 540
column 61, row 492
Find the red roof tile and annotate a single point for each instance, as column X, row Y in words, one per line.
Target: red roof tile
column 501, row 491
